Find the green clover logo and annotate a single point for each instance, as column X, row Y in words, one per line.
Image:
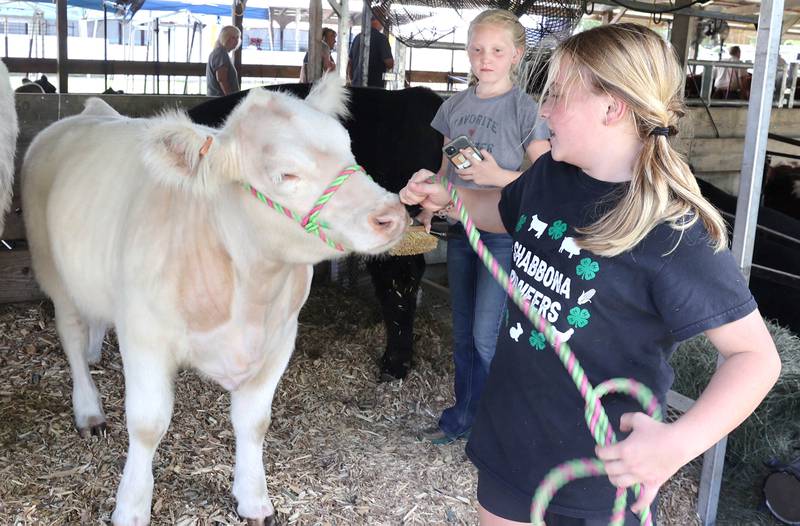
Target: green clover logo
column 522, row 220
column 578, row 317
column 557, row 229
column 536, row 340
column 587, row 269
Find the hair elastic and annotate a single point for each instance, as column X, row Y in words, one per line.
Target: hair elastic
column 666, row 131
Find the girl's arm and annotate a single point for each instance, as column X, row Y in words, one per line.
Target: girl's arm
column 654, row 451
column 536, row 149
column 426, row 215
column 434, row 197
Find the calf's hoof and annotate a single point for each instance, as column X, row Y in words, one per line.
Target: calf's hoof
column 391, row 371
column 95, row 426
column 267, row 521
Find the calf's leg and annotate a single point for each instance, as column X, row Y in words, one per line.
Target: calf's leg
column 396, row 280
column 149, row 375
column 74, row 333
column 251, row 411
column 97, row 333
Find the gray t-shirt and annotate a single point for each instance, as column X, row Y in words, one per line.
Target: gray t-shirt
column 217, row 59
column 503, row 125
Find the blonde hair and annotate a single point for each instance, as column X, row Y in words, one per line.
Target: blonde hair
column 633, row 64
column 226, row 33
column 506, row 20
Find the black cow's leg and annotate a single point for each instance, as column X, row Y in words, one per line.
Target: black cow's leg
column 396, row 280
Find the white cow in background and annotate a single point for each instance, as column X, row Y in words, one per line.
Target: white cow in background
column 8, row 142
column 145, row 224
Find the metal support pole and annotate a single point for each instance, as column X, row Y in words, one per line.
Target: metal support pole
column 297, row 18
column 755, row 145
column 105, row 46
column 366, row 32
column 755, row 142
column 61, row 23
column 400, row 65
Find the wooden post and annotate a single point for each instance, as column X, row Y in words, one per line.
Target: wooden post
column 61, row 24
column 237, row 16
column 682, row 31
column 314, row 66
column 342, row 9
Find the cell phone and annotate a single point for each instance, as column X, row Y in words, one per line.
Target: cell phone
column 461, row 160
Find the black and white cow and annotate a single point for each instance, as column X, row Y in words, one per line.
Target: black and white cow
column 391, row 138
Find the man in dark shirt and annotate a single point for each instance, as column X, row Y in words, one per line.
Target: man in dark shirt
column 380, row 58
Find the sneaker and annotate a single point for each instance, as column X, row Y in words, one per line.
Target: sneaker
column 436, row 436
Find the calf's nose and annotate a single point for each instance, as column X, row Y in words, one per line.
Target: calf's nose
column 390, row 219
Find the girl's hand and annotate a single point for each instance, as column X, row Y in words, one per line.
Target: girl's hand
column 423, row 190
column 485, row 172
column 650, row 455
column 425, row 218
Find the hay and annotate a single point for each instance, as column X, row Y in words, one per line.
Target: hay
column 772, row 431
column 415, row 241
column 341, row 448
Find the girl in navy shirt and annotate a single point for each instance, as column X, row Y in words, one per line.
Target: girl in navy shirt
column 617, row 249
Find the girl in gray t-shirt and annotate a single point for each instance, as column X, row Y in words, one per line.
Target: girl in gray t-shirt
column 500, row 119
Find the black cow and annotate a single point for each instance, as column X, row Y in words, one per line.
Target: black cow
column 782, row 189
column 774, row 278
column 392, row 138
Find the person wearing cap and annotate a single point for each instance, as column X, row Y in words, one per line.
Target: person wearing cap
column 380, row 58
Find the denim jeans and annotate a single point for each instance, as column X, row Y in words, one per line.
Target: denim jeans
column 477, row 302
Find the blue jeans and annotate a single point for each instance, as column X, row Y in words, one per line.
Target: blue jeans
column 477, row 302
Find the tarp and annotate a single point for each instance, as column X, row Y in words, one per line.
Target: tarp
column 196, row 7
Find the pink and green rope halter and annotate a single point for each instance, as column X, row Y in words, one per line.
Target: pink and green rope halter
column 594, row 413
column 311, row 221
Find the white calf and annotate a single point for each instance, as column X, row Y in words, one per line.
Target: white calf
column 152, row 225
column 8, row 142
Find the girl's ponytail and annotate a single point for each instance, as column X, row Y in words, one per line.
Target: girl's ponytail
column 635, row 65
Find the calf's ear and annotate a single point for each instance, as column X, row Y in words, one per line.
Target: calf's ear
column 328, row 95
column 178, row 152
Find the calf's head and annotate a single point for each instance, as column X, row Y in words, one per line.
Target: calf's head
column 290, row 151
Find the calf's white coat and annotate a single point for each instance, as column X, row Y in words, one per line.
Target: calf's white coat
column 132, row 223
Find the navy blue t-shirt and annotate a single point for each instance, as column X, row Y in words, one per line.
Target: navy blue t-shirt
column 622, row 316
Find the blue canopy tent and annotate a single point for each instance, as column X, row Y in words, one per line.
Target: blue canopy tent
column 205, row 8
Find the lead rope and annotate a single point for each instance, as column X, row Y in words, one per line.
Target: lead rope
column 594, row 413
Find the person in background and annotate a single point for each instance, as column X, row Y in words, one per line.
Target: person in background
column 380, row 58
column 221, row 77
column 500, row 119
column 615, row 246
column 732, row 83
column 328, row 41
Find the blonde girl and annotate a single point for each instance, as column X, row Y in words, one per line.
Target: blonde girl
column 615, row 246
column 499, row 118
